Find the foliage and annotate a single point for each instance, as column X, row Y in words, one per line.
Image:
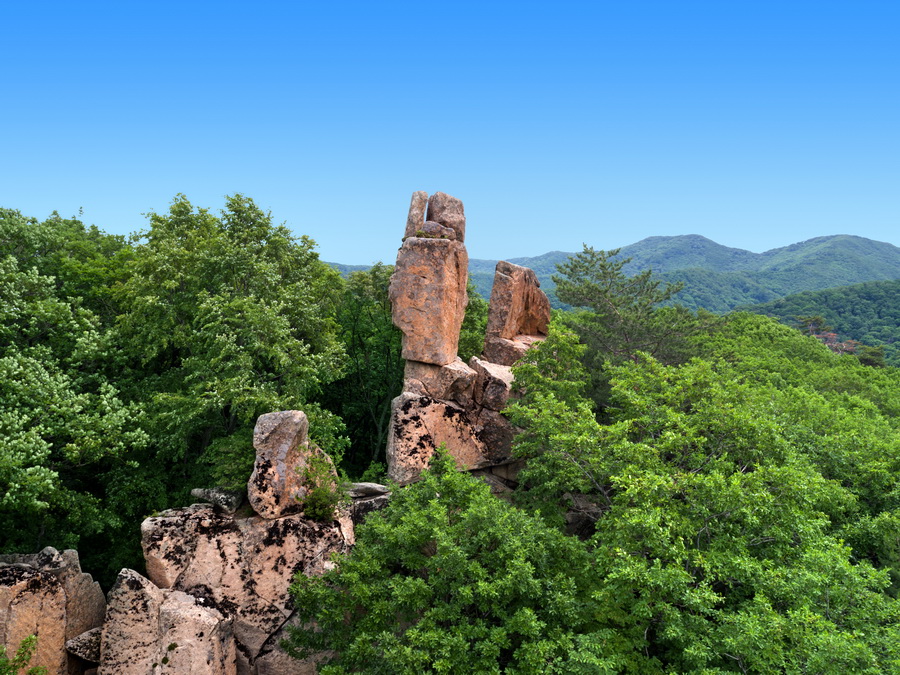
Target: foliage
column 323, row 494
column 622, row 317
column 84, row 262
column 729, row 536
column 449, row 579
column 374, row 370
column 868, row 313
column 225, row 318
column 474, row 325
column 20, row 659
column 63, row 423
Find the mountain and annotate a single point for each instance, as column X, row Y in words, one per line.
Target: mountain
column 719, row 278
column 868, row 312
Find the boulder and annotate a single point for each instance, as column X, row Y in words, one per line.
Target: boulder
column 493, row 383
column 87, row 645
column 33, row 602
column 518, row 306
column 452, row 382
column 428, row 298
column 59, row 575
column 419, row 424
column 365, row 490
column 508, row 352
column 227, row 500
column 276, row 486
column 240, row 566
column 150, row 630
column 518, row 314
column 447, row 211
column 416, row 218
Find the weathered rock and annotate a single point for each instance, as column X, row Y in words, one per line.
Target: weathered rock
column 241, row 566
column 362, row 490
column 276, row 486
column 518, row 306
column 452, row 382
column 360, row 508
column 435, row 230
column 507, row 352
column 87, row 645
column 227, row 500
column 416, row 218
column 428, row 298
column 149, row 630
column 448, row 211
column 130, row 639
column 419, row 424
column 518, row 314
column 33, row 602
column 493, row 383
column 273, row 660
column 84, row 604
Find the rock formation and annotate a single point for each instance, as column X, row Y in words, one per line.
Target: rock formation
column 276, row 487
column 444, row 400
column 46, row 594
column 149, row 630
column 518, row 314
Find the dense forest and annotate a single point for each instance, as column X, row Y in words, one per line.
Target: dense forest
column 868, row 313
column 719, row 278
column 740, row 480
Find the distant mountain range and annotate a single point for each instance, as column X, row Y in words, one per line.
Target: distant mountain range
column 719, row 278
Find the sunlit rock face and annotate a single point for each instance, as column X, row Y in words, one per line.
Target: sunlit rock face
column 445, row 401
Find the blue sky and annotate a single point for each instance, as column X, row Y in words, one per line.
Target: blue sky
column 755, row 123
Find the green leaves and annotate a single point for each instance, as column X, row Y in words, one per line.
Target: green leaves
column 725, row 490
column 449, row 579
column 226, row 317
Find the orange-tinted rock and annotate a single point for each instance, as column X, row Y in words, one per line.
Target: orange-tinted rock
column 241, row 566
column 449, row 212
column 150, row 630
column 276, row 486
column 33, row 602
column 492, row 383
column 419, row 424
column 428, row 298
column 416, row 218
column 84, row 604
column 518, row 314
column 452, row 382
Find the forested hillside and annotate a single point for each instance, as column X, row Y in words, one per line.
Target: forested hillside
column 868, row 313
column 735, row 481
column 718, row 278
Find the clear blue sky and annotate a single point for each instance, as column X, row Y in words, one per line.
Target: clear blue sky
column 756, row 123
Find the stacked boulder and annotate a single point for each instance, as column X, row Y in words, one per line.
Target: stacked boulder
column 47, row 595
column 444, row 400
column 216, row 600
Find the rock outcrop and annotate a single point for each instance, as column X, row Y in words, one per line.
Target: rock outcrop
column 428, row 298
column 154, row 630
column 277, row 487
column 444, row 400
column 242, row 566
column 46, row 594
column 518, row 314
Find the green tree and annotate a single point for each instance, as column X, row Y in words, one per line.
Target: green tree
column 474, row 325
column 63, row 423
column 374, row 371
column 449, row 579
column 715, row 547
column 20, row 659
column 226, row 317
